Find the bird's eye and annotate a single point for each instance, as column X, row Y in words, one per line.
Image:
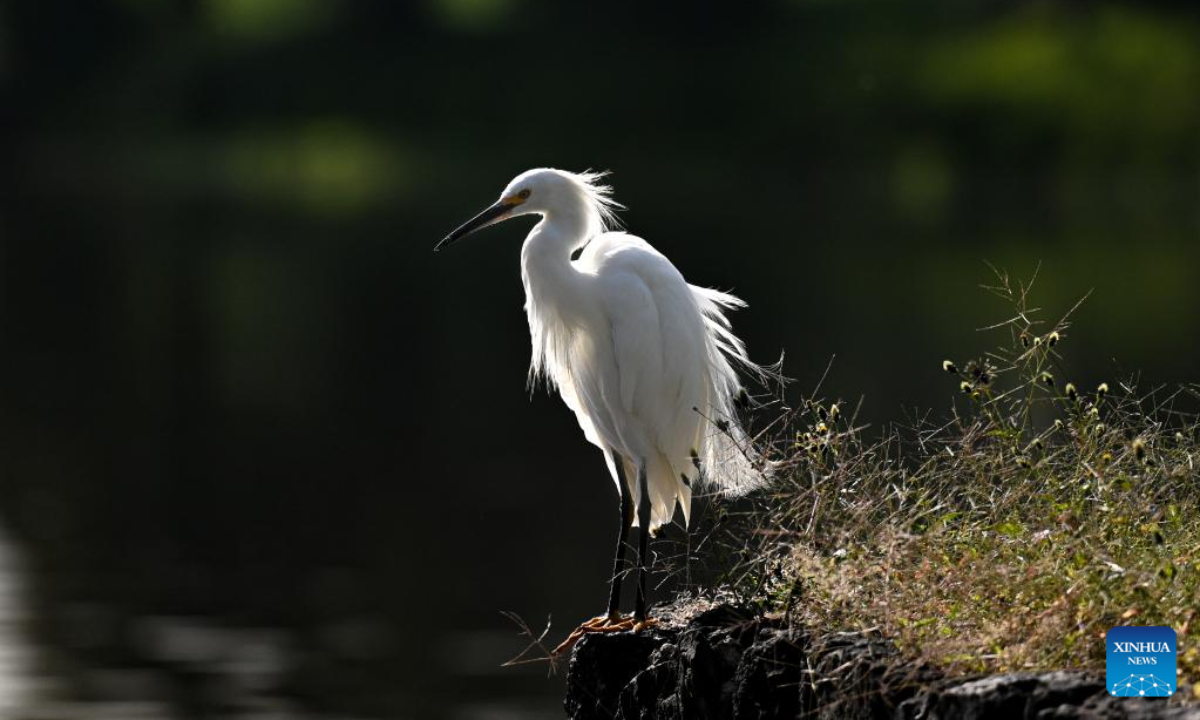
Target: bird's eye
column 524, row 194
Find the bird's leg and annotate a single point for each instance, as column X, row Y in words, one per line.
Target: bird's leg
column 614, row 594
column 612, row 621
column 639, row 612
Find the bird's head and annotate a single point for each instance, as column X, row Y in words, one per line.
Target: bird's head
column 544, row 191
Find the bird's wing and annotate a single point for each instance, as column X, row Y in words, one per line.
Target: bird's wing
column 689, row 404
column 659, row 349
column 632, row 277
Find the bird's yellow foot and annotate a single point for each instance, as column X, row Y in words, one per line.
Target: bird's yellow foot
column 641, row 625
column 600, row 624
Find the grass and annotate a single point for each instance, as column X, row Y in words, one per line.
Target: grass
column 1011, row 536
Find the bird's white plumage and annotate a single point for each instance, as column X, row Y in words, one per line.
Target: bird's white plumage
column 645, row 360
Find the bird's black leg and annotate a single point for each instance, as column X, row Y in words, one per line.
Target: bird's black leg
column 614, row 595
column 639, row 613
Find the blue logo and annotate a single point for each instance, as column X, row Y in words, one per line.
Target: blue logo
column 1141, row 661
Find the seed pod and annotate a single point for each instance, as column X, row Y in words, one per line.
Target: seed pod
column 1059, row 425
column 1036, row 445
column 1052, row 338
column 1046, row 379
column 1037, row 341
column 1023, row 461
column 1072, row 392
column 950, row 367
column 1102, row 390
column 964, row 386
column 1139, row 449
column 834, row 412
column 1025, row 339
column 1099, row 429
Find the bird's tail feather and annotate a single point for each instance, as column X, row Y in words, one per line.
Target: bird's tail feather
column 662, row 487
column 729, row 462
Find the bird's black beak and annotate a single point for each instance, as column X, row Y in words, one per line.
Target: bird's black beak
column 493, row 214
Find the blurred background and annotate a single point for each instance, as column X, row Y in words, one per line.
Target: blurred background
column 262, row 454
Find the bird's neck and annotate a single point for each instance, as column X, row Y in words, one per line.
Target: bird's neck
column 551, row 279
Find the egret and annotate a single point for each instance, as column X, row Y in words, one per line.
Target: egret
column 645, row 360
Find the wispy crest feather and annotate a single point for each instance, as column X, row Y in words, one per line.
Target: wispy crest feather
column 598, row 197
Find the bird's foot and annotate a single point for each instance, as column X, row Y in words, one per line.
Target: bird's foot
column 640, row 625
column 607, row 623
column 599, row 624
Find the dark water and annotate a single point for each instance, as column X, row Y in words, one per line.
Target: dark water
column 109, row 660
column 182, row 642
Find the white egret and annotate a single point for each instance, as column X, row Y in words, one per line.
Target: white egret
column 645, row 360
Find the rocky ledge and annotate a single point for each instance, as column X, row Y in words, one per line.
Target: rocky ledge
column 726, row 663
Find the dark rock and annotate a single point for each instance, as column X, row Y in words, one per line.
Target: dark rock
column 1015, row 695
column 730, row 663
column 861, row 676
column 602, row 666
column 1107, row 707
column 767, row 681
